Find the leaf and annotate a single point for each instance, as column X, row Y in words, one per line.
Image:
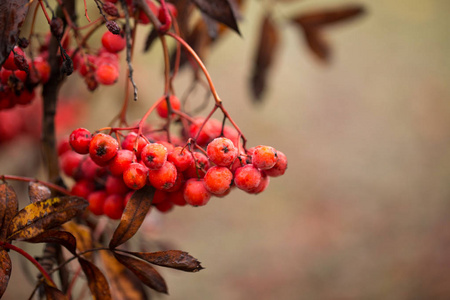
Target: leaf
column 96, row 280
column 8, row 208
column 124, row 285
column 40, row 216
column 267, row 47
column 175, row 259
column 12, row 15
column 63, row 238
column 329, row 16
column 318, row 44
column 133, row 216
column 144, row 271
column 5, row 270
column 151, row 37
column 82, row 234
column 53, row 293
column 38, row 192
column 220, row 10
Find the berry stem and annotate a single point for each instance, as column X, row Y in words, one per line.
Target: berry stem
column 45, row 12
column 28, row 179
column 129, row 47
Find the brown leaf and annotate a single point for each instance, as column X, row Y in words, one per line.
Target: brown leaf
column 40, row 216
column 53, row 293
column 220, row 10
column 82, row 234
column 329, row 16
column 124, row 285
column 133, row 216
column 269, row 39
column 144, row 271
column 63, row 238
column 318, row 44
column 8, row 208
column 175, row 259
column 96, row 280
column 38, row 192
column 12, row 15
column 5, row 270
column 151, row 37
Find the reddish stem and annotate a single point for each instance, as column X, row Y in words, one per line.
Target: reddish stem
column 28, row 179
column 45, row 12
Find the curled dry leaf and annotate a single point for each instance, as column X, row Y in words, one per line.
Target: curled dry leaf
column 8, row 208
column 63, row 238
column 220, row 10
column 96, row 280
column 269, row 39
column 144, row 271
column 133, row 216
column 53, row 293
column 124, row 285
column 5, row 270
column 40, row 216
column 175, row 259
column 38, row 192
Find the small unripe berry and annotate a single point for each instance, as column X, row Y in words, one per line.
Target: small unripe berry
column 135, row 177
column 195, row 192
column 264, row 157
column 103, row 148
column 80, row 139
column 222, row 152
column 247, row 178
column 218, row 180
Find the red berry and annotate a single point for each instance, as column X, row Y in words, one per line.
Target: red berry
column 154, row 155
column 83, row 188
column 164, row 207
column 177, row 197
column 162, row 108
column 198, row 171
column 280, row 167
column 222, row 151
column 143, row 17
column 218, row 180
column 80, row 139
column 207, row 134
column 70, row 162
column 41, row 68
column 10, row 63
column 96, row 202
column 159, row 196
column 130, row 141
column 247, row 178
column 264, row 157
column 25, row 97
column 135, row 177
column 265, row 180
column 121, row 162
column 195, row 192
column 181, row 158
column 115, row 185
column 178, row 183
column 63, row 147
column 107, row 74
column 113, row 42
column 103, row 148
column 113, row 206
column 88, row 169
column 88, row 64
column 163, row 178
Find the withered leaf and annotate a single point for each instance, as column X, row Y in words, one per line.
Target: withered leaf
column 96, row 280
column 175, row 259
column 144, row 271
column 124, row 285
column 220, row 10
column 8, row 208
column 63, row 238
column 329, row 16
column 133, row 216
column 5, row 270
column 12, row 15
column 82, row 234
column 318, row 44
column 269, row 39
column 53, row 293
column 38, row 192
column 40, row 216
column 151, row 37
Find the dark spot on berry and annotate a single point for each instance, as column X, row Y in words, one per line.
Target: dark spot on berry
column 101, row 150
column 225, row 149
column 150, row 158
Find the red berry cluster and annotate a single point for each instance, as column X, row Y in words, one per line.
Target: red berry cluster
column 111, row 171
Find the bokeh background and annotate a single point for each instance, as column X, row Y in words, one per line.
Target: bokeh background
column 363, row 210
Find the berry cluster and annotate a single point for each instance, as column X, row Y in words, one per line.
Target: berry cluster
column 107, row 171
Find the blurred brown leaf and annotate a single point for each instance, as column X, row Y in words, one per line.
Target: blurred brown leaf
column 220, row 10
column 53, row 293
column 317, row 44
column 8, row 208
column 63, row 238
column 12, row 15
column 175, row 259
column 82, row 234
column 96, row 280
column 40, row 216
column 38, row 192
column 133, row 216
column 5, row 270
column 144, row 271
column 151, row 37
column 269, row 39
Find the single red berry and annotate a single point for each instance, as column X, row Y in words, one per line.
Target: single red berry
column 88, row 169
column 113, row 206
column 163, row 178
column 9, row 63
column 129, row 143
column 177, row 197
column 80, row 139
column 265, row 180
column 162, row 108
column 96, row 202
column 154, row 155
column 121, row 162
column 113, row 42
column 218, row 180
column 107, row 74
column 247, row 178
column 83, row 188
column 197, row 170
column 240, row 161
column 135, row 177
column 280, row 167
column 103, row 148
column 164, row 207
column 159, row 196
column 222, row 152
column 195, row 192
column 116, row 185
column 70, row 162
column 207, row 133
column 181, row 158
column 25, row 97
column 63, row 147
column 178, row 183
column 264, row 157
column 40, row 68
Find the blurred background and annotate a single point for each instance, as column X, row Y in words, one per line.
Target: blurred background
column 363, row 209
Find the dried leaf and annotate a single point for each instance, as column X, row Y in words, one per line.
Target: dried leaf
column 38, row 217
column 318, row 45
column 12, row 15
column 8, row 208
column 175, row 259
column 38, row 192
column 220, row 10
column 329, row 16
column 96, row 280
column 63, row 238
column 124, row 285
column 144, row 271
column 5, row 270
column 53, row 293
column 267, row 47
column 151, row 37
column 133, row 216
column 82, row 234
